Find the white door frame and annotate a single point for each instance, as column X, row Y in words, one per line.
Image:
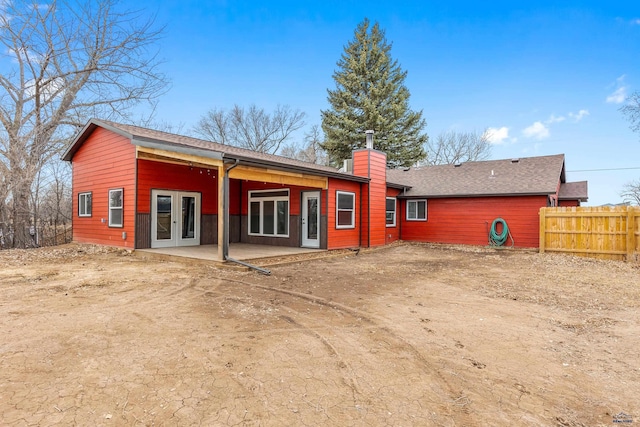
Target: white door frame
column 175, row 220
column 307, row 241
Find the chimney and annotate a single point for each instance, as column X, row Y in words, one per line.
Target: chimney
column 369, row 134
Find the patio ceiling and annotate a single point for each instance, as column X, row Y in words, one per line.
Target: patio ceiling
column 249, row 173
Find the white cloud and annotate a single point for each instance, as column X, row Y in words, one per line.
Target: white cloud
column 537, row 130
column 53, row 89
column 620, row 94
column 497, row 135
column 554, row 119
column 635, row 22
column 579, row 115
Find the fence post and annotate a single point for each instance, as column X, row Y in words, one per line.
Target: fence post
column 542, row 230
column 631, row 228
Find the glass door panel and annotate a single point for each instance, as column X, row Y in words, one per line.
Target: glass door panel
column 188, row 217
column 164, row 214
column 311, row 219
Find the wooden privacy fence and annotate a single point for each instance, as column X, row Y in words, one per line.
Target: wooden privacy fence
column 597, row 232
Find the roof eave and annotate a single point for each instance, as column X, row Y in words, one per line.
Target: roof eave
column 398, row 186
column 248, row 161
column 92, row 124
column 449, row 196
column 162, row 145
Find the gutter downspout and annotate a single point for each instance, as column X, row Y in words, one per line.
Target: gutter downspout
column 404, row 192
column 225, row 211
column 225, row 232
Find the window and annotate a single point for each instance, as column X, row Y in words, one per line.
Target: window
column 115, row 208
column 345, row 209
column 84, row 204
column 416, row 210
column 269, row 213
column 391, row 211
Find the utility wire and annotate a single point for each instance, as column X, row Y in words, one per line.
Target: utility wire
column 604, row 170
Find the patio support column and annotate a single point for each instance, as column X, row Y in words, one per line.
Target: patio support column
column 221, row 215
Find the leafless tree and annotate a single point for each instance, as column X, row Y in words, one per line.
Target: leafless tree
column 632, row 111
column 456, row 147
column 631, row 192
column 54, row 202
column 311, row 152
column 65, row 61
column 252, row 128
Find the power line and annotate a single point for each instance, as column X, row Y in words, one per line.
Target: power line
column 605, row 170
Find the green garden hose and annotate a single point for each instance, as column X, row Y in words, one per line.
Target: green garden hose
column 496, row 239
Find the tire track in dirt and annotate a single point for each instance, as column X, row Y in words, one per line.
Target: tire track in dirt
column 427, row 365
column 351, row 382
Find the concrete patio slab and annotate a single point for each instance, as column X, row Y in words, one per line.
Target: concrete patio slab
column 239, row 251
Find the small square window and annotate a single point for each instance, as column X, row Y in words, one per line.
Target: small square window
column 84, row 204
column 416, row 210
column 116, row 208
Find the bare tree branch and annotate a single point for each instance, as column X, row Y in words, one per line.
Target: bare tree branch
column 631, row 192
column 632, row 111
column 456, row 147
column 251, row 128
column 312, row 152
column 70, row 60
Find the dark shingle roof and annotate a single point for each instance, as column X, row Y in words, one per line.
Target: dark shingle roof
column 574, row 191
column 524, row 176
column 169, row 140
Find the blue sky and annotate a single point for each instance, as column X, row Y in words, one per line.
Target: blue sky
column 547, row 79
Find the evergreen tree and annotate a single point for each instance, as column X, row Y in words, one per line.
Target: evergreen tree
column 370, row 94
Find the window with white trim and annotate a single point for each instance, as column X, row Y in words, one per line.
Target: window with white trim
column 345, row 209
column 416, row 210
column 391, row 212
column 84, row 204
column 269, row 213
column 116, row 208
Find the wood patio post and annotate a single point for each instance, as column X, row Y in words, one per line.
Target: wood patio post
column 221, row 213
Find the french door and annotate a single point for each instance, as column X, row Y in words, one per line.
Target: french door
column 311, row 219
column 175, row 218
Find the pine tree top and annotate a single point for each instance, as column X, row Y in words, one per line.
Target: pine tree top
column 370, row 94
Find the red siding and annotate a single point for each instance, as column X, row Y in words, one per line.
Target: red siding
column 393, row 232
column 166, row 176
column 235, row 196
column 104, row 162
column 568, row 202
column 372, row 164
column 378, row 199
column 339, row 238
column 468, row 220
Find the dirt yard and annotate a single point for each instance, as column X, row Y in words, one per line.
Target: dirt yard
column 405, row 335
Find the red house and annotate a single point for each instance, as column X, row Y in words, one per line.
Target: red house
column 461, row 201
column 139, row 188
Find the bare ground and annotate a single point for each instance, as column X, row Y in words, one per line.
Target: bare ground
column 405, row 335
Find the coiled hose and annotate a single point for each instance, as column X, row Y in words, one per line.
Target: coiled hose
column 496, row 239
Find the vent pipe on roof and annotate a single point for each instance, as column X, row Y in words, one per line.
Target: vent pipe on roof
column 369, row 140
column 347, row 166
column 515, row 160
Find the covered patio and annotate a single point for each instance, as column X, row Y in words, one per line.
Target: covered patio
column 239, row 251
